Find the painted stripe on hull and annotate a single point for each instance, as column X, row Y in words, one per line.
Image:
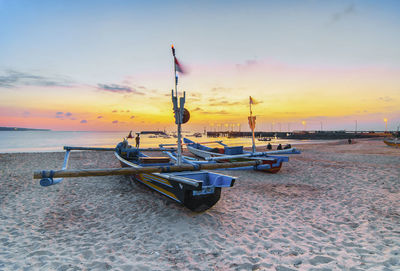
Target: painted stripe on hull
column 141, row 179
column 155, row 187
column 156, row 179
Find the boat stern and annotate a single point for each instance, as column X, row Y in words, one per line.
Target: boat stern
column 199, row 200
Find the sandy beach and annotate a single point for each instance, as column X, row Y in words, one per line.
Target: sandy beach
column 334, row 207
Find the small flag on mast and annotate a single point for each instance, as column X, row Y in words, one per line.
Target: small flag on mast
column 178, row 66
column 253, row 101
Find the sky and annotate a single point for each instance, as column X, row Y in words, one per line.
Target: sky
column 107, row 65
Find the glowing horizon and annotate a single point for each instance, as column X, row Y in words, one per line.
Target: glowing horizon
column 327, row 65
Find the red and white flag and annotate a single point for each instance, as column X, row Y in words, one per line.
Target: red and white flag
column 178, row 66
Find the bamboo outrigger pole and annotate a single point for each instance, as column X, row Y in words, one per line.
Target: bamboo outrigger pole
column 71, row 173
column 252, row 124
column 254, row 154
column 113, row 149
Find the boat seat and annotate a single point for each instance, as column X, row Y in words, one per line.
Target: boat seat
column 233, row 150
column 217, row 150
column 154, row 160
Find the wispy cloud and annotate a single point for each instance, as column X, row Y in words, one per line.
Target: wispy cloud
column 350, row 9
column 195, row 96
column 220, row 89
column 200, row 110
column 180, row 93
column 100, row 117
column 14, row 79
column 132, row 117
column 62, row 115
column 115, row 121
column 225, row 103
column 115, row 88
column 84, row 121
column 220, row 112
column 386, row 99
column 248, row 64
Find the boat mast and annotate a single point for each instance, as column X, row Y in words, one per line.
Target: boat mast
column 178, row 111
column 252, row 124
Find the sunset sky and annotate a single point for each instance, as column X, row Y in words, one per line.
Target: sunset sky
column 107, row 65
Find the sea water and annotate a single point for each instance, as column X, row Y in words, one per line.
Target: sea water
column 53, row 141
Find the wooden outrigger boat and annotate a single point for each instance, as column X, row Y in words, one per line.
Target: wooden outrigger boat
column 198, row 190
column 271, row 160
column 393, row 142
column 188, row 184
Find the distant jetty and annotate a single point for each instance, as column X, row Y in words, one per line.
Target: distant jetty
column 153, row 132
column 21, row 129
column 304, row 134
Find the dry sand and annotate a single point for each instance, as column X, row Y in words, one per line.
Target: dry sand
column 334, row 207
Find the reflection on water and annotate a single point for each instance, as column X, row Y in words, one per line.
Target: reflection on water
column 53, row 141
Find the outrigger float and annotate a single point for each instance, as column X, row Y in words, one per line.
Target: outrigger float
column 184, row 180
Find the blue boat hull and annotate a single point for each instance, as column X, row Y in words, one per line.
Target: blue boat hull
column 198, row 191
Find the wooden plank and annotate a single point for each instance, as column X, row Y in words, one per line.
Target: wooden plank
column 113, row 149
column 131, row 171
column 153, row 160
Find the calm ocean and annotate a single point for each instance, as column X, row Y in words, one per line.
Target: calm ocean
column 53, row 141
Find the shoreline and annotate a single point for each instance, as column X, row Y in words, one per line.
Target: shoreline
column 258, row 144
column 335, row 206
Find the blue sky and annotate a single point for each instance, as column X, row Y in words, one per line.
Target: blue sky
column 66, row 35
column 105, row 42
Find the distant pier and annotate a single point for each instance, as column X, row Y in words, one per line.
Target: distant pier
column 303, row 134
column 21, row 129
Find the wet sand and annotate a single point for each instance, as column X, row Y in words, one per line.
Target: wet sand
column 334, row 207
